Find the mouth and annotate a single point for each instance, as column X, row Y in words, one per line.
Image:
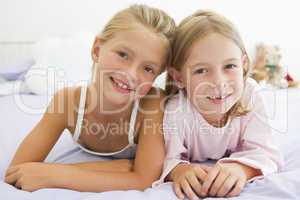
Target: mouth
column 121, row 86
column 218, row 99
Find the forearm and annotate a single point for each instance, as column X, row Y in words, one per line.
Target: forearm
column 96, row 181
column 26, row 153
column 249, row 171
column 35, row 147
column 122, row 165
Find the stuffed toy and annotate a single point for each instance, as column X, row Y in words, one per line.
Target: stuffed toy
column 267, row 67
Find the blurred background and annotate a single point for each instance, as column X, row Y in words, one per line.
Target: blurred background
column 58, row 34
column 46, row 44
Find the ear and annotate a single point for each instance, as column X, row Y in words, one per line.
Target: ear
column 245, row 59
column 96, row 49
column 176, row 76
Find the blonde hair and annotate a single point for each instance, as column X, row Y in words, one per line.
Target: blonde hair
column 197, row 26
column 151, row 18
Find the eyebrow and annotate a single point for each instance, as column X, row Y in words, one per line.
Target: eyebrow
column 132, row 52
column 231, row 59
column 127, row 49
column 207, row 64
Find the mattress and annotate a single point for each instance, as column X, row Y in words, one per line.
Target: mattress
column 19, row 113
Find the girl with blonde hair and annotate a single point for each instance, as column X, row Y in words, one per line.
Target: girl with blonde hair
column 214, row 112
column 110, row 116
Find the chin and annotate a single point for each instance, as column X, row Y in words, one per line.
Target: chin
column 117, row 99
column 209, row 108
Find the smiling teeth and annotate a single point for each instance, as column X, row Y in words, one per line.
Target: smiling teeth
column 121, row 85
column 217, row 97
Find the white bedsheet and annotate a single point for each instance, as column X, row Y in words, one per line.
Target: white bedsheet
column 16, row 122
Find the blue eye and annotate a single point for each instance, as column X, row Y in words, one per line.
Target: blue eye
column 200, row 71
column 123, row 54
column 230, row 66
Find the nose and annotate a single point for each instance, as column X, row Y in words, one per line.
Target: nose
column 132, row 72
column 220, row 82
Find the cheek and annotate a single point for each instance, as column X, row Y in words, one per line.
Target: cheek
column 239, row 87
column 109, row 61
column 197, row 86
column 238, row 75
column 144, row 88
column 239, row 81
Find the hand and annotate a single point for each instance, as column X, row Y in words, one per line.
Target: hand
column 187, row 180
column 32, row 176
column 225, row 180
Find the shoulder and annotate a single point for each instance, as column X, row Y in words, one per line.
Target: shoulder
column 63, row 105
column 178, row 104
column 151, row 108
column 65, row 97
column 154, row 100
column 251, row 85
column 150, row 113
column 178, row 111
column 251, row 93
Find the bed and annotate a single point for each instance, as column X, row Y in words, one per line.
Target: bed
column 20, row 112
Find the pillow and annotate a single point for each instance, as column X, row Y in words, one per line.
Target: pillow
column 160, row 81
column 60, row 62
column 16, row 71
column 64, row 62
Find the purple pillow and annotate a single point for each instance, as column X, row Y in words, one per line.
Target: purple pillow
column 16, row 71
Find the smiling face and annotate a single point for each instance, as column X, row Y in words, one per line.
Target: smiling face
column 213, row 75
column 128, row 63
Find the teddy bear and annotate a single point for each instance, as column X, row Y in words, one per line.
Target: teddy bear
column 267, row 67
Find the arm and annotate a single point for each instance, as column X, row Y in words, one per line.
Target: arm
column 148, row 162
column 174, row 141
column 250, row 172
column 121, row 165
column 257, row 153
column 32, row 175
column 36, row 146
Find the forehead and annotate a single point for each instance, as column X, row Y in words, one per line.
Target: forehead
column 142, row 42
column 214, row 47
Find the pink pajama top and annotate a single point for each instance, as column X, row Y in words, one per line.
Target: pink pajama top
column 246, row 139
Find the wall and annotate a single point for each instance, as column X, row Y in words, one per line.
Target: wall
column 268, row 21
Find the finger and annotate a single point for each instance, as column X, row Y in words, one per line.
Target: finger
column 212, row 174
column 227, row 186
column 188, row 190
column 11, row 179
column 218, row 183
column 194, row 182
column 237, row 188
column 11, row 170
column 178, row 191
column 200, row 173
column 18, row 184
column 205, row 168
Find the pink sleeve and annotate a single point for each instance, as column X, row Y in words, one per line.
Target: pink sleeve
column 174, row 141
column 256, row 146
